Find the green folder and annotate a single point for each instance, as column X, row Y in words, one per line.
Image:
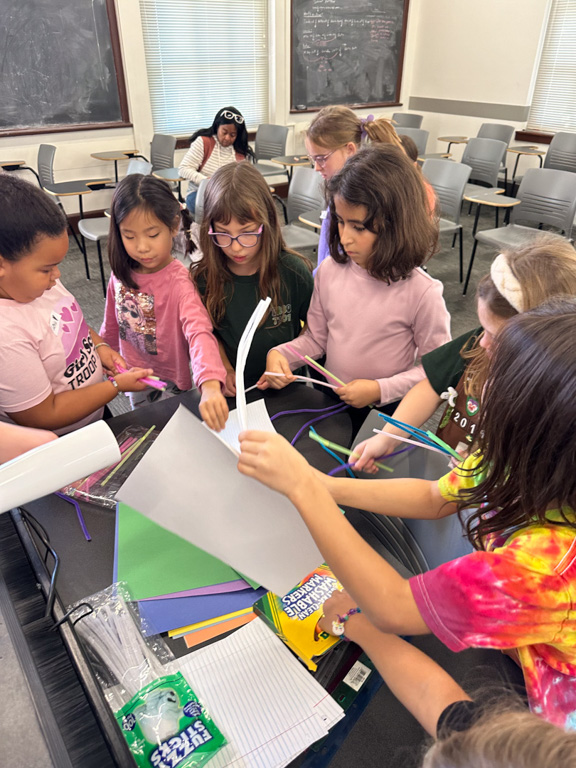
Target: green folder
column 154, row 561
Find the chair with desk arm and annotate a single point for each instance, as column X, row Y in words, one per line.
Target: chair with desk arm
column 304, row 193
column 46, row 153
column 548, row 197
column 500, row 132
column 418, row 135
column 449, row 180
column 98, row 228
column 270, row 142
column 561, row 155
column 406, row 120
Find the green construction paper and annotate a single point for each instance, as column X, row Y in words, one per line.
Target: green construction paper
column 154, row 561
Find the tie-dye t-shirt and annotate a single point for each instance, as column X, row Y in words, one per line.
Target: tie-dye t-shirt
column 45, row 346
column 520, row 593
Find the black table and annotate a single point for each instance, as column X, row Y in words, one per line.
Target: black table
column 384, row 729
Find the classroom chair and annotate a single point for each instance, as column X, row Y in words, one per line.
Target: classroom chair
column 561, row 155
column 419, row 136
column 162, row 148
column 484, row 156
column 305, row 193
column 46, row 153
column 449, row 181
column 98, row 229
column 270, row 142
column 500, row 132
column 548, row 198
column 199, row 209
column 406, row 120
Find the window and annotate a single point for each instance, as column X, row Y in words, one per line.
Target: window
column 553, row 104
column 202, row 55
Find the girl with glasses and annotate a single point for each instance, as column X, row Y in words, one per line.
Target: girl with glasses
column 245, row 260
column 226, row 141
column 335, row 134
column 374, row 310
column 153, row 313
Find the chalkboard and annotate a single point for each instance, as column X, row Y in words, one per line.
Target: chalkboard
column 60, row 67
column 347, row 52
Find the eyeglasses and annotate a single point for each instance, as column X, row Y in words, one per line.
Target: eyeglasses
column 246, row 239
column 232, row 116
column 321, row 160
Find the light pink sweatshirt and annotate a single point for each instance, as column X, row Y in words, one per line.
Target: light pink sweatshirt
column 371, row 330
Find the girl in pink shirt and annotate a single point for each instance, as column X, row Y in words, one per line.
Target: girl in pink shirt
column 373, row 311
column 52, row 363
column 153, row 312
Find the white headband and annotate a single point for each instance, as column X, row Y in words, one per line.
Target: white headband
column 506, row 284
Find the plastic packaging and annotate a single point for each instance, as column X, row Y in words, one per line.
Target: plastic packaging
column 161, row 718
column 101, row 487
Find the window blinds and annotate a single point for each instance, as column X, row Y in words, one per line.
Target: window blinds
column 202, row 55
column 554, row 103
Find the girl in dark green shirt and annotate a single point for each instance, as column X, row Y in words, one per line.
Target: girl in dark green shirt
column 245, row 260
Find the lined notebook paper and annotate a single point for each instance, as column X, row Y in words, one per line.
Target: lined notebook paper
column 267, row 704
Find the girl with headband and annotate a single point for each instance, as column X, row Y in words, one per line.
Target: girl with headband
column 226, row 141
column 456, row 372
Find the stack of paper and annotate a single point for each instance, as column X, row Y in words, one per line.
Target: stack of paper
column 175, row 582
column 267, row 705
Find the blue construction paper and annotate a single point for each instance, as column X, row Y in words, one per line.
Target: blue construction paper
column 172, row 613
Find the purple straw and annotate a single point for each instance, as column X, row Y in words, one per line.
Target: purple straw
column 78, row 512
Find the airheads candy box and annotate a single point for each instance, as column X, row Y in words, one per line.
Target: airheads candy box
column 294, row 617
column 166, row 726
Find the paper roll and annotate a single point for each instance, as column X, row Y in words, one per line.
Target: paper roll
column 51, row 466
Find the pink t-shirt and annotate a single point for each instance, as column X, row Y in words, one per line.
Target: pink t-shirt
column 370, row 330
column 45, row 346
column 163, row 325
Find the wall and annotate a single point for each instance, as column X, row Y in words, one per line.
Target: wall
column 480, row 53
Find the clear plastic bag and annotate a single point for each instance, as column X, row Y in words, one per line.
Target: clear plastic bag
column 161, row 718
column 101, row 487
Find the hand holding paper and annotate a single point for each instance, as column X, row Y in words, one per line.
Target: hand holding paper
column 270, row 459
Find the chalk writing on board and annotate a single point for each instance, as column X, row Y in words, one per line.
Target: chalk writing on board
column 56, row 64
column 346, row 51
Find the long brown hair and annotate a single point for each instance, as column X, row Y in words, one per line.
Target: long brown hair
column 381, row 178
column 544, row 268
column 335, row 126
column 238, row 190
column 526, row 435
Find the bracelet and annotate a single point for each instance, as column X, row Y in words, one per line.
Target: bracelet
column 101, row 344
column 338, row 627
column 113, row 381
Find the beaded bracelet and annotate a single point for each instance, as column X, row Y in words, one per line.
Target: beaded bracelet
column 338, row 627
column 113, row 381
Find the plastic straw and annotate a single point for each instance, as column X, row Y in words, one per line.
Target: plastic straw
column 340, row 448
column 412, row 442
column 150, row 381
column 136, row 445
column 308, row 360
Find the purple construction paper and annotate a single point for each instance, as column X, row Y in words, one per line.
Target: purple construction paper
column 172, row 613
column 211, row 589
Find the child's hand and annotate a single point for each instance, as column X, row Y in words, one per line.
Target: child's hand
column 370, row 450
column 359, row 393
column 230, row 383
column 213, row 405
column 110, row 359
column 271, row 459
column 337, row 605
column 277, row 363
column 130, row 381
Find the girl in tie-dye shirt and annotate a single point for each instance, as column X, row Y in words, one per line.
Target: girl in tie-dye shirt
column 517, row 591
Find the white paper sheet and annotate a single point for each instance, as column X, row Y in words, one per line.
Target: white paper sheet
column 267, row 704
column 188, row 482
column 242, row 355
column 257, row 418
